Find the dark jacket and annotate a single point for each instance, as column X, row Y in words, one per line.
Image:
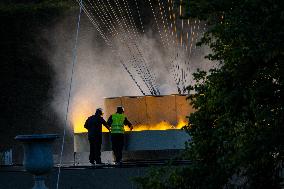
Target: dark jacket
column 94, row 126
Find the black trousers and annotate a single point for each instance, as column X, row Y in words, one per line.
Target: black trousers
column 117, row 140
column 95, row 150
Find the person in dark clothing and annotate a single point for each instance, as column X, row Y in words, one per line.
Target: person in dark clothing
column 94, row 126
column 117, row 122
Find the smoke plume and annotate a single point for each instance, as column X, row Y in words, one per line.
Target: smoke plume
column 98, row 71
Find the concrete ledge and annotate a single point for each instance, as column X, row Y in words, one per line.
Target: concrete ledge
column 86, row 177
column 139, row 140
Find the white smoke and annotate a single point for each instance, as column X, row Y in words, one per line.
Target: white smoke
column 98, row 72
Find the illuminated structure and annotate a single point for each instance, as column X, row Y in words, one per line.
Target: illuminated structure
column 146, row 112
column 157, row 122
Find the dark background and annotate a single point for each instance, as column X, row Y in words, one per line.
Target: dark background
column 26, row 76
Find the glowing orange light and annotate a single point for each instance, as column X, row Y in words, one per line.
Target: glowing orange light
column 159, row 126
column 80, row 118
column 80, row 111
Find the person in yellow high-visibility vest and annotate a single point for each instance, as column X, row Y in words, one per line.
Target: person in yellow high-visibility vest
column 116, row 122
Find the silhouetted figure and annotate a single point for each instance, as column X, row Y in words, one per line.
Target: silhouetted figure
column 116, row 122
column 94, row 126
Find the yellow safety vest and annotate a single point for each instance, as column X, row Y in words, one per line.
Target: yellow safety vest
column 117, row 125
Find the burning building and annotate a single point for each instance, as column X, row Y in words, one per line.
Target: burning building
column 157, row 122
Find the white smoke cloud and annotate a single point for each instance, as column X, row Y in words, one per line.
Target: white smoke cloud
column 98, row 72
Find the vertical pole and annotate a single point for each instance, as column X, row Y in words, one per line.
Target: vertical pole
column 74, row 60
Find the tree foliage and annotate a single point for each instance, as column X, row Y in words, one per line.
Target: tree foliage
column 237, row 131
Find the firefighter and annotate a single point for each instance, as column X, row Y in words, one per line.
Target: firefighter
column 116, row 122
column 94, row 126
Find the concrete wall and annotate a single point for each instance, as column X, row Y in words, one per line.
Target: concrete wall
column 138, row 140
column 81, row 143
column 155, row 140
column 139, row 145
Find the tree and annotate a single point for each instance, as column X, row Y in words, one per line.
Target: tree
column 237, row 131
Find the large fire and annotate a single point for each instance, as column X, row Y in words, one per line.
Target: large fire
column 82, row 109
column 79, row 118
column 159, row 126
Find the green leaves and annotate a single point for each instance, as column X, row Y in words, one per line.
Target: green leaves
column 238, row 127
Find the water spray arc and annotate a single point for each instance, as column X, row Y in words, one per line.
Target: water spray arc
column 110, row 45
column 186, row 32
column 111, row 17
column 115, row 20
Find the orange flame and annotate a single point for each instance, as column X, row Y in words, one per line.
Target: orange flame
column 159, row 126
column 83, row 109
column 79, row 126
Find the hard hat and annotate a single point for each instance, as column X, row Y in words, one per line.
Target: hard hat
column 120, row 109
column 99, row 111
